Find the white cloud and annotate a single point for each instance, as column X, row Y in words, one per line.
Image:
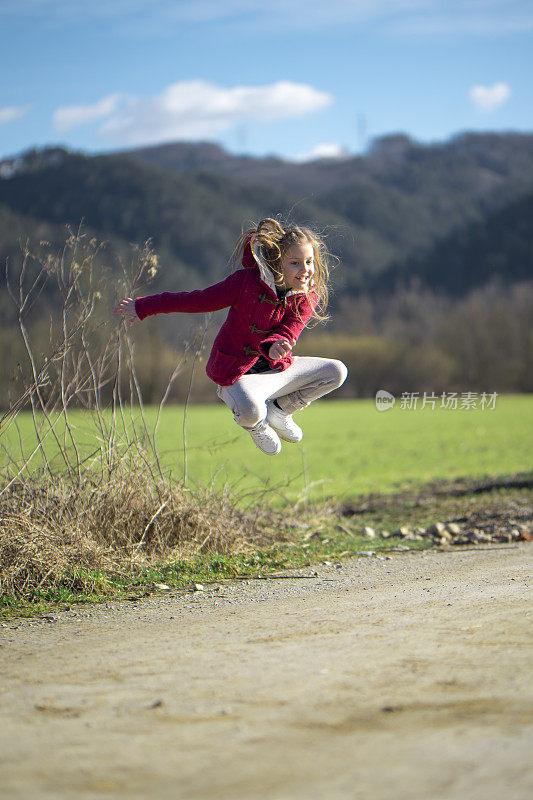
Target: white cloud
column 297, row 12
column 73, row 116
column 325, row 150
column 462, row 21
column 397, row 17
column 66, row 10
column 197, row 109
column 488, row 98
column 10, row 113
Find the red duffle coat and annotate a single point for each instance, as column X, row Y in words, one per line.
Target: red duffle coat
column 256, row 317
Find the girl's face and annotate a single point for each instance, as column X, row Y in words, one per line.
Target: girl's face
column 298, row 266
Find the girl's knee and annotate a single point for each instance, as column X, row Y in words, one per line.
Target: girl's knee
column 337, row 372
column 246, row 410
column 249, row 413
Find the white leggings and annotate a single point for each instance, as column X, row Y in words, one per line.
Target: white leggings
column 307, row 379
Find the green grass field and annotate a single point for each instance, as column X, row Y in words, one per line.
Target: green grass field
column 349, row 448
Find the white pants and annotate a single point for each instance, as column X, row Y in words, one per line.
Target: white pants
column 307, row 379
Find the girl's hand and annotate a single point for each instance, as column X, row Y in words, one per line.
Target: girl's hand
column 280, row 349
column 126, row 308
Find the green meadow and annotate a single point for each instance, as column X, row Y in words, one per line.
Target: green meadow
column 349, row 448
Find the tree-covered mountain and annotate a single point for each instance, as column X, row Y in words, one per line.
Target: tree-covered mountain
column 192, row 220
column 382, row 213
column 477, row 162
column 452, row 216
column 498, row 247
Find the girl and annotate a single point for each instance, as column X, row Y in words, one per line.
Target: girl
column 281, row 286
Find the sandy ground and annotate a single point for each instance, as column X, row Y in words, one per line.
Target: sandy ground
column 403, row 678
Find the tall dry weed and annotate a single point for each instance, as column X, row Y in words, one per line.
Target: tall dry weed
column 66, row 516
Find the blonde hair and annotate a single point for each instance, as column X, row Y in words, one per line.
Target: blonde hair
column 274, row 240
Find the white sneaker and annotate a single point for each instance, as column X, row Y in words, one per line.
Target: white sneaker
column 283, row 423
column 265, row 439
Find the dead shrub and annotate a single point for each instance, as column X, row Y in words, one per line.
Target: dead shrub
column 79, row 522
column 55, row 531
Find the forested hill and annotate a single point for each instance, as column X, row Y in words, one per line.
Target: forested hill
column 192, row 220
column 499, row 246
column 479, row 162
column 402, row 207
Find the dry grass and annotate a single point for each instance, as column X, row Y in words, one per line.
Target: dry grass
column 56, row 533
column 75, row 522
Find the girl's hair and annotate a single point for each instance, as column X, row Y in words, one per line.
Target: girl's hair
column 274, row 240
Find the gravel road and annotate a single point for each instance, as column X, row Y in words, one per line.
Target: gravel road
column 405, row 678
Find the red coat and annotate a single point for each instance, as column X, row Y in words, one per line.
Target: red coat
column 255, row 320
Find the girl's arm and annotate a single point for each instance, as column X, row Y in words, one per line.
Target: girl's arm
column 220, row 295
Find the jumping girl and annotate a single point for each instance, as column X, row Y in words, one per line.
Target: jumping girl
column 281, row 287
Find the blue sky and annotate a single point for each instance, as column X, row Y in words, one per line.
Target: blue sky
column 297, row 78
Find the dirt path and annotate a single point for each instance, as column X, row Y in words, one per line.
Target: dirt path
column 408, row 678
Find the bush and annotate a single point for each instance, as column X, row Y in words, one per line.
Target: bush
column 73, row 520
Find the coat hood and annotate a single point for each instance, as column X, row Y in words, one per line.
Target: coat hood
column 252, row 257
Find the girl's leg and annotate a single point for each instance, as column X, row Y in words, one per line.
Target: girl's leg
column 307, row 379
column 246, row 400
column 251, row 399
